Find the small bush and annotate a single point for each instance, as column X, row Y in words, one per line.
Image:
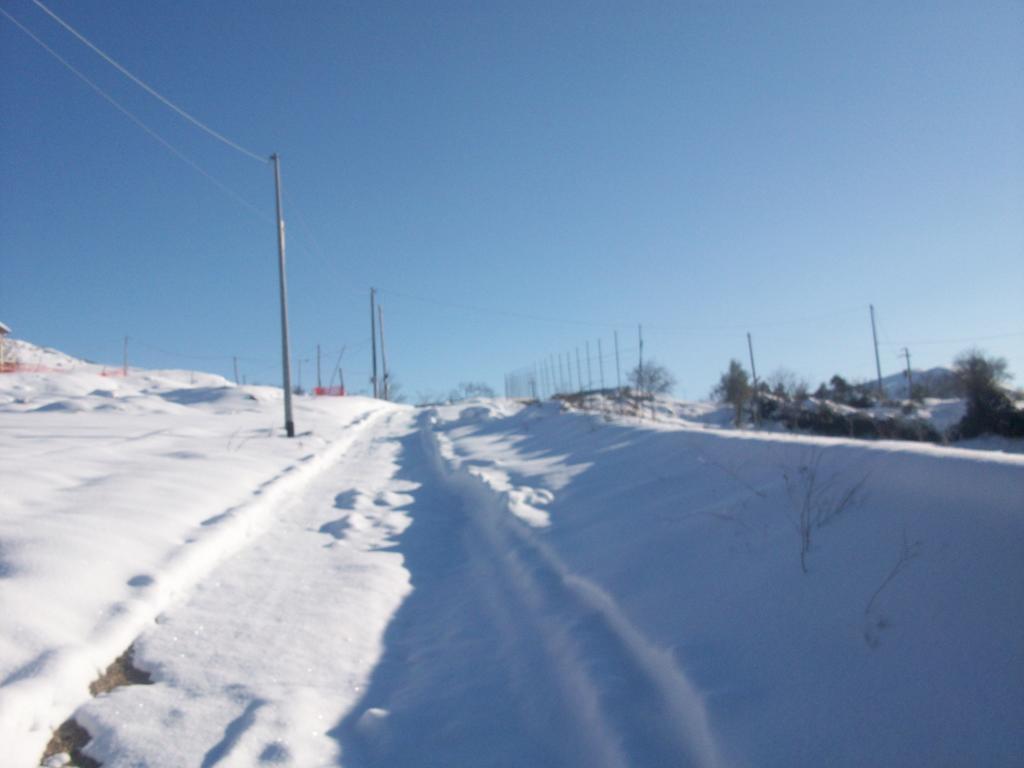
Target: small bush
column 734, row 388
column 989, row 409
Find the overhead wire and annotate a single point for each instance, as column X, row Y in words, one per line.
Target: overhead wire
column 148, row 88
column 616, row 325
column 965, row 340
column 138, row 121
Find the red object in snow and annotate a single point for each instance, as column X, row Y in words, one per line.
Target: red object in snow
column 330, row 391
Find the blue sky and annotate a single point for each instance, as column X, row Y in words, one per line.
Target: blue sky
column 518, row 179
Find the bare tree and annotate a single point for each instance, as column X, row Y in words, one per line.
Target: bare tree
column 785, row 384
column 653, row 378
column 467, row 390
column 426, row 397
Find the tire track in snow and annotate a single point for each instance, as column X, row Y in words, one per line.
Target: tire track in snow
column 631, row 697
column 502, row 656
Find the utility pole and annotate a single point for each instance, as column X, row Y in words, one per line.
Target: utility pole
column 373, row 339
column 600, row 363
column 579, row 373
column 289, row 423
column 124, row 365
column 640, row 370
column 910, row 380
column 878, row 361
column 234, row 360
column 383, row 356
column 319, row 383
column 337, row 368
column 618, row 372
column 590, row 376
column 753, row 370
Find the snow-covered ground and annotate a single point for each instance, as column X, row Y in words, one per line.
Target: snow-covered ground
column 941, row 414
column 494, row 584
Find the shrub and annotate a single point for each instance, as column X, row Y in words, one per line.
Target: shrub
column 989, row 408
column 734, row 388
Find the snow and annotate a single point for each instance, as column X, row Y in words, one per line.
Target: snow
column 691, row 533
column 491, row 583
column 109, row 516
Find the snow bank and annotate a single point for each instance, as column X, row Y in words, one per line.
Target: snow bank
column 119, row 494
column 900, row 644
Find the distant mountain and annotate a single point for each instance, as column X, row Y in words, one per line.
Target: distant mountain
column 940, row 382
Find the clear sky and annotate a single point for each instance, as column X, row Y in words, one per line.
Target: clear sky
column 517, row 179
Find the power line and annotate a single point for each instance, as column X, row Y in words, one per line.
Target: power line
column 195, row 121
column 614, row 325
column 954, row 341
column 755, row 325
column 124, row 110
column 491, row 311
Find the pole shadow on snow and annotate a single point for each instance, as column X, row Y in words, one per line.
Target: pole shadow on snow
column 447, row 690
column 494, row 659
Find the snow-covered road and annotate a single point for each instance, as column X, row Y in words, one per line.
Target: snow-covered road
column 276, row 644
column 290, row 652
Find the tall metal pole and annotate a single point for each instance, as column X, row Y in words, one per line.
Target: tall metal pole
column 579, row 374
column 289, row 422
column 235, row 361
column 590, row 377
column 753, row 371
column 600, row 363
column 373, row 340
column 640, row 369
column 319, row 383
column 386, row 389
column 878, row 361
column 618, row 370
column 910, row 380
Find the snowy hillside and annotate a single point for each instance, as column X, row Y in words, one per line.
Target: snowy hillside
column 494, row 584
